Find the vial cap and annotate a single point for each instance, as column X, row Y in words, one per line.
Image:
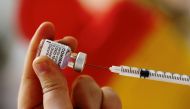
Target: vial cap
column 80, row 62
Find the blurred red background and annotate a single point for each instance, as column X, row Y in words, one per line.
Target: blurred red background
column 108, row 38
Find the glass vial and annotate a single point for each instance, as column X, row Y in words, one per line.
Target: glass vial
column 62, row 55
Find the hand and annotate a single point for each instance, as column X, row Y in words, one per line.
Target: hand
column 43, row 86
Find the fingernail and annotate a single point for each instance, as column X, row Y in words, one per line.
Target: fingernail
column 41, row 67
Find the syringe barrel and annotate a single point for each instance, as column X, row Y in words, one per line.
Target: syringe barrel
column 151, row 74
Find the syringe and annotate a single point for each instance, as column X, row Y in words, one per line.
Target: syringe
column 151, row 74
column 62, row 55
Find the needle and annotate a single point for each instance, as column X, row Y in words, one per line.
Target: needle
column 97, row 66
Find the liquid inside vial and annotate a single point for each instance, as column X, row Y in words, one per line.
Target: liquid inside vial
column 62, row 55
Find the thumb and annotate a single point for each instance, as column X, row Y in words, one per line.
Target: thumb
column 53, row 83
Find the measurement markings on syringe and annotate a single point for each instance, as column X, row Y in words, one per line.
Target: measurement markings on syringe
column 151, row 74
column 130, row 71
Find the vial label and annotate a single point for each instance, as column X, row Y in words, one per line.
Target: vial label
column 59, row 53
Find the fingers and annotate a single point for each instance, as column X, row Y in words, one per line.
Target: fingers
column 86, row 94
column 69, row 41
column 55, row 91
column 30, row 87
column 110, row 99
column 45, row 31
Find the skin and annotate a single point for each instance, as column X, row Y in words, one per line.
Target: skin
column 43, row 86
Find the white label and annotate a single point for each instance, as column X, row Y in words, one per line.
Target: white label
column 59, row 53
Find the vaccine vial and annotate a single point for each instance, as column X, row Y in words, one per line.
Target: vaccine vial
column 62, row 55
